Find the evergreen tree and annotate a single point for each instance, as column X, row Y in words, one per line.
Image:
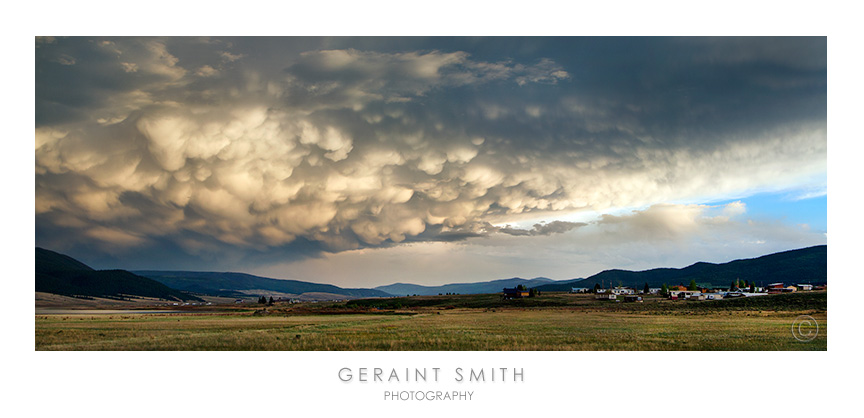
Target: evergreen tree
column 647, row 289
column 596, row 287
column 270, row 302
column 692, row 285
column 664, row 290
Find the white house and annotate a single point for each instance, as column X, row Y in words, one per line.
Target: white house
column 684, row 294
column 622, row 291
column 730, row 295
column 805, row 287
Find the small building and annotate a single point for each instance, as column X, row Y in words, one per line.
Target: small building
column 606, row 296
column 774, row 288
column 515, row 293
column 805, row 287
column 632, row 298
column 579, row 290
column 623, row 291
column 788, row 289
column 683, row 294
column 654, row 290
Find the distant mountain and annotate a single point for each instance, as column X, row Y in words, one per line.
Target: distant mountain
column 806, row 265
column 63, row 275
column 60, row 274
column 237, row 284
column 494, row 286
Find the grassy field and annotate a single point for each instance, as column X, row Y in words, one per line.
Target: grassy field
column 472, row 322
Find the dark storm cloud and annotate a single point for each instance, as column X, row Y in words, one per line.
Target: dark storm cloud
column 291, row 146
column 554, row 227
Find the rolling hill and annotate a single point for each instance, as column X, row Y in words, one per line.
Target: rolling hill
column 60, row 274
column 241, row 284
column 462, row 288
column 805, row 265
column 63, row 275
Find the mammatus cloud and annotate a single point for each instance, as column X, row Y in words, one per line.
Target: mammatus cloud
column 351, row 78
column 346, row 148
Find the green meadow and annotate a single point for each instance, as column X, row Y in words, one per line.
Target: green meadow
column 471, row 322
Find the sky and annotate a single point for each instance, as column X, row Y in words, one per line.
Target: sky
column 364, row 161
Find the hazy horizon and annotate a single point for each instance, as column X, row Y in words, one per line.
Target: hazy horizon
column 367, row 161
column 437, row 283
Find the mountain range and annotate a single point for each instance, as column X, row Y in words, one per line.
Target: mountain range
column 59, row 274
column 494, row 286
column 241, row 284
column 805, row 265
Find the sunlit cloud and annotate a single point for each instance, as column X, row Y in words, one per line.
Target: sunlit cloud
column 234, row 150
column 659, row 236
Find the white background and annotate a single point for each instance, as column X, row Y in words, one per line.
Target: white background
column 573, row 384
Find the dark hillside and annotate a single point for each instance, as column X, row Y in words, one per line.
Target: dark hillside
column 219, row 284
column 806, row 265
column 63, row 275
column 48, row 261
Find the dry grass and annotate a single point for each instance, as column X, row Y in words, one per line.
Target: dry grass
column 432, row 329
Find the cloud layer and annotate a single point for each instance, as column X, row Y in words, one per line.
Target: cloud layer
column 662, row 235
column 230, row 149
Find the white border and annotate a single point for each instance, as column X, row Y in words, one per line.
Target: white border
column 567, row 383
